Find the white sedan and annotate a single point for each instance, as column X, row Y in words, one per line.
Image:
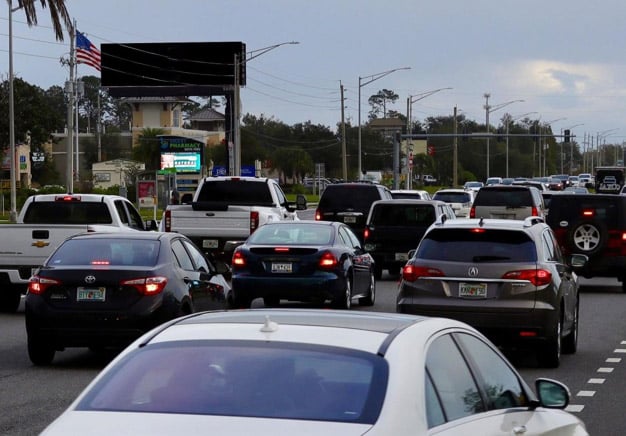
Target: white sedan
column 315, row 372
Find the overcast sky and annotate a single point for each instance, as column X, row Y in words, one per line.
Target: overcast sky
column 564, row 58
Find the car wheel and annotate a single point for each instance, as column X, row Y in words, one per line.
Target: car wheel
column 344, row 301
column 587, row 237
column 549, row 355
column 370, row 299
column 271, row 301
column 10, row 299
column 570, row 341
column 378, row 271
column 40, row 352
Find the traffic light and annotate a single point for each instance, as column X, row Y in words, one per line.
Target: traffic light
column 566, row 135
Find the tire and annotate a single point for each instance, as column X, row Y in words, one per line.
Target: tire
column 370, row 299
column 345, row 300
column 10, row 300
column 271, row 301
column 39, row 352
column 549, row 355
column 570, row 341
column 587, row 237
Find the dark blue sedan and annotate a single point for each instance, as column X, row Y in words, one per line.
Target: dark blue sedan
column 311, row 261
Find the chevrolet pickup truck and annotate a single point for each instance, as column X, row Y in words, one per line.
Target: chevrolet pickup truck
column 47, row 220
column 224, row 211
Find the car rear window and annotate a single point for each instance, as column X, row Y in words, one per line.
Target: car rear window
column 67, row 212
column 236, row 192
column 243, row 378
column 292, row 234
column 477, row 245
column 111, row 251
column 504, row 197
column 453, row 197
column 410, row 215
column 349, row 197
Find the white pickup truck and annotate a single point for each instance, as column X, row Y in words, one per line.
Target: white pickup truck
column 224, row 211
column 47, row 220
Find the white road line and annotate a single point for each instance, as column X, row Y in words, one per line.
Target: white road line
column 574, row 408
column 619, row 350
column 596, row 381
column 605, row 370
column 586, row 393
column 613, row 360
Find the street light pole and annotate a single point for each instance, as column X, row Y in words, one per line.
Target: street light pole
column 571, row 155
column 13, row 171
column 488, row 110
column 368, row 80
column 236, row 158
column 545, row 152
column 507, row 136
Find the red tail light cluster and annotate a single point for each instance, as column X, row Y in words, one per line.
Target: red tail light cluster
column 410, row 273
column 328, row 260
column 38, row 285
column 538, row 277
column 254, row 221
column 168, row 220
column 366, row 233
column 318, row 215
column 472, row 213
column 238, row 259
column 147, row 285
column 534, row 211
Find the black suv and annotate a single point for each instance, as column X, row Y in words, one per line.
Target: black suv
column 594, row 225
column 350, row 203
column 394, row 227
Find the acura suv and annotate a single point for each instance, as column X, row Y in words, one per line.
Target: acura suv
column 507, row 278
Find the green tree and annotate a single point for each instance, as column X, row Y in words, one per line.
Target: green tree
column 378, row 102
column 148, row 150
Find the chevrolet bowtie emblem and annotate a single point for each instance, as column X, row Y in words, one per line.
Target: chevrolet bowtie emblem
column 40, row 244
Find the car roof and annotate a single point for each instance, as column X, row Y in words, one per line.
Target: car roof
column 366, row 331
column 126, row 235
column 455, row 190
column 492, row 223
column 83, row 197
column 409, row 201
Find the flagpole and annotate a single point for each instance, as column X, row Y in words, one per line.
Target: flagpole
column 69, row 89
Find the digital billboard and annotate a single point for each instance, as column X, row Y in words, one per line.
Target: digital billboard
column 183, row 162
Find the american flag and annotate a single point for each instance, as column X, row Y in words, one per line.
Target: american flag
column 86, row 52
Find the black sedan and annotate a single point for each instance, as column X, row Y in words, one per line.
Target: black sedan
column 106, row 289
column 310, row 261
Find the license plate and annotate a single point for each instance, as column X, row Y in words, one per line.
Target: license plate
column 209, row 243
column 474, row 290
column 90, row 294
column 402, row 256
column 349, row 219
column 281, row 268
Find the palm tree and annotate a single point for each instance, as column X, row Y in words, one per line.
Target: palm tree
column 58, row 14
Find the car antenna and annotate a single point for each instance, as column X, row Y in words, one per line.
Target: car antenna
column 480, row 223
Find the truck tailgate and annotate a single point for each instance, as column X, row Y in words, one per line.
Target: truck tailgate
column 232, row 223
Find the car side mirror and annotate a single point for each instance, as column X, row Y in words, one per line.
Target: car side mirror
column 151, row 225
column 186, row 198
column 552, row 394
column 301, row 203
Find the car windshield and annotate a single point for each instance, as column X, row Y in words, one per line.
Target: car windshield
column 412, row 215
column 241, row 378
column 110, row 251
column 453, row 197
column 293, row 234
column 469, row 245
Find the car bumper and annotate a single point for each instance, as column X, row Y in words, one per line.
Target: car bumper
column 325, row 286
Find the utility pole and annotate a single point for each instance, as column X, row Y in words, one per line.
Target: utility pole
column 69, row 90
column 487, row 107
column 455, row 171
column 343, row 135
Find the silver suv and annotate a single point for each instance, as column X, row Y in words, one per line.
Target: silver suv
column 507, row 278
column 508, row 202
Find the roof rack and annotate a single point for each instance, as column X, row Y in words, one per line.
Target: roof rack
column 532, row 220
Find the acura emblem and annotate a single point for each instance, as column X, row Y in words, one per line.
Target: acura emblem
column 472, row 271
column 90, row 279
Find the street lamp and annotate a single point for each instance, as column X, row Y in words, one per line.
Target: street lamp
column 368, row 80
column 488, row 110
column 236, row 154
column 509, row 121
column 571, row 156
column 409, row 114
column 603, row 135
column 542, row 168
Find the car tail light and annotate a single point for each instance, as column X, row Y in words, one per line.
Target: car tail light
column 534, row 211
column 318, row 215
column 328, row 260
column 588, row 213
column 410, row 273
column 238, row 259
column 67, row 198
column 38, row 285
column 254, row 220
column 366, row 233
column 168, row 220
column 472, row 213
column 147, row 285
column 538, row 277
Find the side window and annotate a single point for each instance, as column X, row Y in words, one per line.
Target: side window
column 452, row 382
column 548, row 247
column 282, row 199
column 354, row 241
column 198, row 257
column 136, row 222
column 500, row 383
column 558, row 255
column 121, row 212
column 181, row 255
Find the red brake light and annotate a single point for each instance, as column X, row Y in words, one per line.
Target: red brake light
column 67, row 198
column 410, row 273
column 168, row 220
column 254, row 221
column 538, row 277
column 281, row 249
column 366, row 233
column 534, row 211
column 238, row 259
column 38, row 285
column 100, row 262
column 478, row 230
column 328, row 260
column 318, row 215
column 147, row 285
column 588, row 213
column 472, row 213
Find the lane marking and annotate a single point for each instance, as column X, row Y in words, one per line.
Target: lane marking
column 613, row 360
column 596, row 381
column 586, row 393
column 574, row 408
column 605, row 370
column 619, row 350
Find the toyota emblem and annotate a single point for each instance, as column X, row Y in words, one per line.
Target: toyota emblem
column 472, row 271
column 90, row 279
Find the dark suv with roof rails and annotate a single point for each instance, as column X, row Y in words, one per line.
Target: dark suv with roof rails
column 594, row 225
column 350, row 203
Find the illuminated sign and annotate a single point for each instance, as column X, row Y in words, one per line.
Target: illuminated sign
column 186, row 162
